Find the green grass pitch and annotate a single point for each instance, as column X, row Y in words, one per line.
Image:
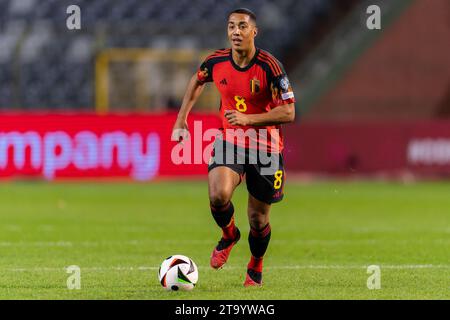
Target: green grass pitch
column 324, row 235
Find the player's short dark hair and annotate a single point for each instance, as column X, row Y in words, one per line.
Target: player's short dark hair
column 246, row 11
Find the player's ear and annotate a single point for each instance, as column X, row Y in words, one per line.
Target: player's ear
column 255, row 32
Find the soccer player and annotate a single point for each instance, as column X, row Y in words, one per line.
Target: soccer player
column 255, row 95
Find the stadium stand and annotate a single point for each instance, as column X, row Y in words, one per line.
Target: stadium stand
column 45, row 66
column 400, row 73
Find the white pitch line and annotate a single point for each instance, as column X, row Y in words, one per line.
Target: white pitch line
column 63, row 243
column 285, row 267
column 400, row 266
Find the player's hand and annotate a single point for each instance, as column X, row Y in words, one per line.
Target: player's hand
column 236, row 118
column 180, row 131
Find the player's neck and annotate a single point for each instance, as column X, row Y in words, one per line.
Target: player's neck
column 243, row 57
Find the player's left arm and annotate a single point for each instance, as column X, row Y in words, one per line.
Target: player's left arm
column 279, row 115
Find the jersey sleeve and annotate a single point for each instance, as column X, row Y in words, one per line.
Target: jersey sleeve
column 204, row 72
column 281, row 88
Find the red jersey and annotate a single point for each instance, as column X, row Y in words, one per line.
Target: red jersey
column 257, row 88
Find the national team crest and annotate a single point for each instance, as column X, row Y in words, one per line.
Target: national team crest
column 254, row 86
column 202, row 75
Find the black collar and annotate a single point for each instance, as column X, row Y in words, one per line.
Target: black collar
column 252, row 62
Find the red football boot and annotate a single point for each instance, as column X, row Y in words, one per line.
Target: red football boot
column 253, row 279
column 254, row 272
column 222, row 251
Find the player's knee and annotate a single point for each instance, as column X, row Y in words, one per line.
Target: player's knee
column 219, row 198
column 257, row 220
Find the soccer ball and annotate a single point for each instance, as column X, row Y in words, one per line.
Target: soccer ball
column 178, row 272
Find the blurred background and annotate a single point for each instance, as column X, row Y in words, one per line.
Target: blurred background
column 370, row 102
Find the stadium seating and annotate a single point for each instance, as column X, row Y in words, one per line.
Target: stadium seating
column 403, row 75
column 44, row 65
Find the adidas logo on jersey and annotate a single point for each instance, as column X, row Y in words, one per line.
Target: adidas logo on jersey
column 223, row 81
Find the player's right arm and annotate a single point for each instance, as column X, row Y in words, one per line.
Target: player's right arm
column 193, row 92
